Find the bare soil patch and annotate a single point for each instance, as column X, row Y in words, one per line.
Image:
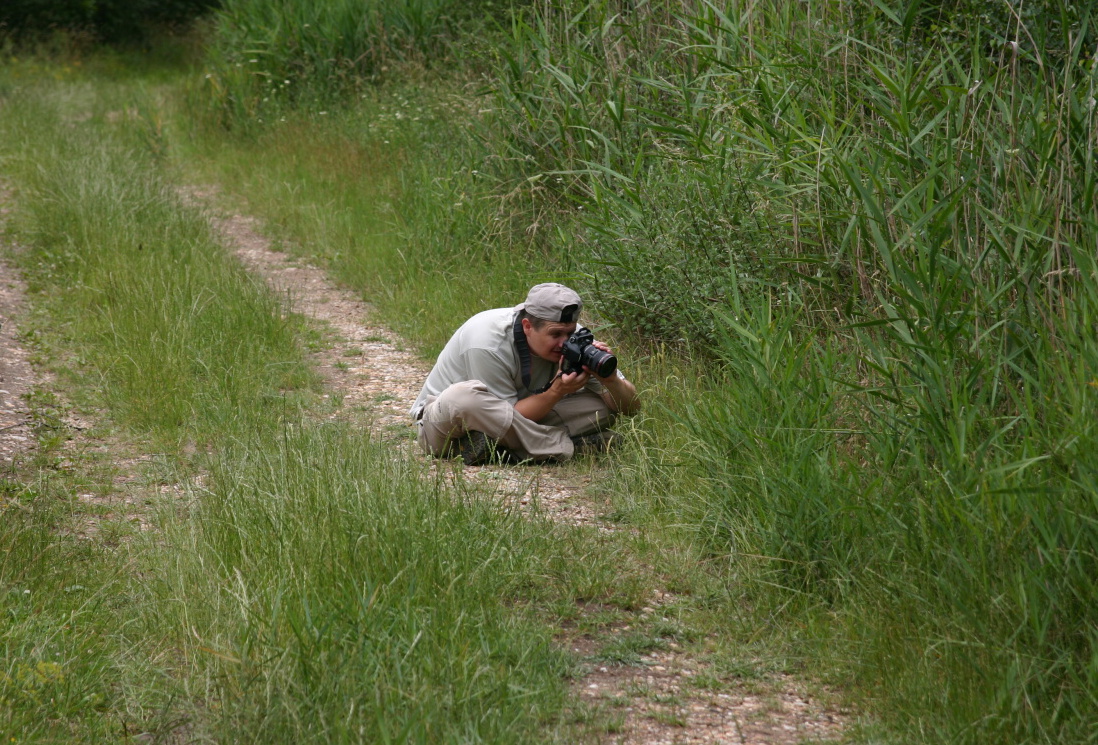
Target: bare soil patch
column 17, row 377
column 670, row 696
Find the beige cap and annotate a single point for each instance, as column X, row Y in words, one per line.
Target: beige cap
column 553, row 302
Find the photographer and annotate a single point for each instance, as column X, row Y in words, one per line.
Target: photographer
column 521, row 384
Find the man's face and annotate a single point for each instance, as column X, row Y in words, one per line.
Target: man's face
column 547, row 341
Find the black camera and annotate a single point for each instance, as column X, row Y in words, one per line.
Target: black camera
column 579, row 352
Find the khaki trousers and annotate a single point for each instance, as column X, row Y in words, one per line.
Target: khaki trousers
column 469, row 406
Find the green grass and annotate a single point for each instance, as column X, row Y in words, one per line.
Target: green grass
column 59, row 649
column 869, row 248
column 865, row 259
column 835, row 439
column 266, row 59
column 360, row 603
column 77, row 656
column 131, row 263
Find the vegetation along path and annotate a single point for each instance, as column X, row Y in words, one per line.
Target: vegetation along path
column 667, row 695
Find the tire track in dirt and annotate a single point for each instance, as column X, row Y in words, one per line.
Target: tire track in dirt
column 17, row 377
column 127, row 480
column 369, row 368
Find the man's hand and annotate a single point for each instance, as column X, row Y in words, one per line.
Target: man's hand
column 537, row 406
column 620, row 395
column 566, row 384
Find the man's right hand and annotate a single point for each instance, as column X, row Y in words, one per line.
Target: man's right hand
column 569, row 383
column 536, row 407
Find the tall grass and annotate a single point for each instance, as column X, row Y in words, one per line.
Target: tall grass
column 134, row 301
column 68, row 662
column 881, row 242
column 909, row 470
column 768, row 136
column 339, row 597
column 134, row 265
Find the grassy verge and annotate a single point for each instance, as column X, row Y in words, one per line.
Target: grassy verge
column 76, row 660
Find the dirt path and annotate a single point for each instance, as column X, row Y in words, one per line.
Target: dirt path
column 17, row 377
column 669, row 697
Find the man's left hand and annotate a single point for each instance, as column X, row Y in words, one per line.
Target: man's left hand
column 620, row 394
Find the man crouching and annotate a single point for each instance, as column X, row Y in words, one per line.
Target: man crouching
column 498, row 390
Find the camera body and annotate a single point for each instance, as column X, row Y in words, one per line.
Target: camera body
column 580, row 352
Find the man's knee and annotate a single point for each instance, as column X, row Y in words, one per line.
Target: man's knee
column 469, row 405
column 463, row 397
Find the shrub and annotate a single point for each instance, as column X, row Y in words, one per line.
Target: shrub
column 668, row 255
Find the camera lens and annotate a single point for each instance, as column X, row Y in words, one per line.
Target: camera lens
column 601, row 363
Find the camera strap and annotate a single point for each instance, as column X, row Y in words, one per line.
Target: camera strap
column 524, row 356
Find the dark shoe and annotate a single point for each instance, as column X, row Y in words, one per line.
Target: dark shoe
column 478, row 449
column 596, row 443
